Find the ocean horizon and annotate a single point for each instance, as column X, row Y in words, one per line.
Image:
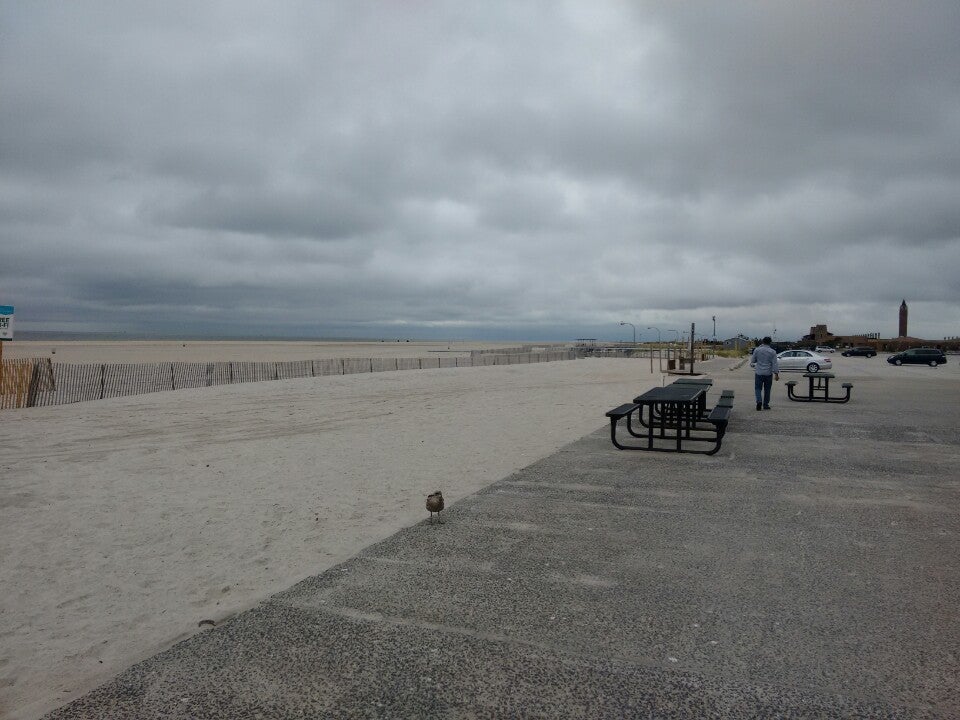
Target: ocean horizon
column 55, row 335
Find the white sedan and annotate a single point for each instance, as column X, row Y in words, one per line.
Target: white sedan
column 822, row 350
column 803, row 361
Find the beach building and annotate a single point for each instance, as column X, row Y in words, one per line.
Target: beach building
column 820, row 335
column 739, row 342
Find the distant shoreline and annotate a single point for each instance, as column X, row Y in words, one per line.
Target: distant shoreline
column 154, row 350
column 55, row 335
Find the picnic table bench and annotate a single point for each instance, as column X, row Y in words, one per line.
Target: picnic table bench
column 672, row 417
column 726, row 397
column 818, row 389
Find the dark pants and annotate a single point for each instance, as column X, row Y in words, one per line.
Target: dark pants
column 763, row 383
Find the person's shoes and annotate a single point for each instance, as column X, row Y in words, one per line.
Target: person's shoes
column 758, row 406
column 766, row 407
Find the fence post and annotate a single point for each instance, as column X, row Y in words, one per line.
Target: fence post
column 34, row 385
column 103, row 370
column 173, row 382
column 313, row 372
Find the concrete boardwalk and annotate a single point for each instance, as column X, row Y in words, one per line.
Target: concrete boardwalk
column 809, row 569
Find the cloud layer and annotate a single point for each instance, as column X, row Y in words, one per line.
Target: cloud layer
column 534, row 170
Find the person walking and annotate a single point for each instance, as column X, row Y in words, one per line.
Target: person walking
column 766, row 369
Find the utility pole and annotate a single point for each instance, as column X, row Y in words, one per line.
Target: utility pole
column 692, row 328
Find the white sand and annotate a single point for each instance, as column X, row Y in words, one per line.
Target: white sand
column 143, row 351
column 125, row 522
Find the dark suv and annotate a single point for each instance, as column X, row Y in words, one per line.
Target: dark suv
column 919, row 356
column 861, row 350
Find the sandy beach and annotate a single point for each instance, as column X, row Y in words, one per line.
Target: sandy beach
column 127, row 522
column 147, row 351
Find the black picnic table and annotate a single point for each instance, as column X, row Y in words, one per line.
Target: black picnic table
column 672, row 417
column 818, row 389
column 705, row 383
column 691, row 380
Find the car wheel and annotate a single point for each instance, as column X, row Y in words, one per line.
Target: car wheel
column 933, row 363
column 898, row 361
column 870, row 355
column 813, row 367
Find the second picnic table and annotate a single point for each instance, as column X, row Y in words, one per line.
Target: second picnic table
column 818, row 389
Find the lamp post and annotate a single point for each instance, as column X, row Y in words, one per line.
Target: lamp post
column 634, row 331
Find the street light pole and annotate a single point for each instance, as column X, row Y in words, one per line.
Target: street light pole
column 634, row 331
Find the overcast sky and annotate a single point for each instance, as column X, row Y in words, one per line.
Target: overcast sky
column 505, row 169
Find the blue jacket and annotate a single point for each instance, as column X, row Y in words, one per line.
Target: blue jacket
column 765, row 360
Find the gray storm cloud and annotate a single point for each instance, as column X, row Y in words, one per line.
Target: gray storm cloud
column 535, row 169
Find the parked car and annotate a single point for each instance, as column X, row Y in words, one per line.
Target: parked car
column 919, row 356
column 823, row 349
column 863, row 351
column 803, row 361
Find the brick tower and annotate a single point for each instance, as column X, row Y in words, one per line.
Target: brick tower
column 903, row 319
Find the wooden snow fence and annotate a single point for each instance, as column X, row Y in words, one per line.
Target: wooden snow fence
column 22, row 380
column 39, row 382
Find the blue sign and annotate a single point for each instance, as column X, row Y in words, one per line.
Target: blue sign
column 6, row 322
